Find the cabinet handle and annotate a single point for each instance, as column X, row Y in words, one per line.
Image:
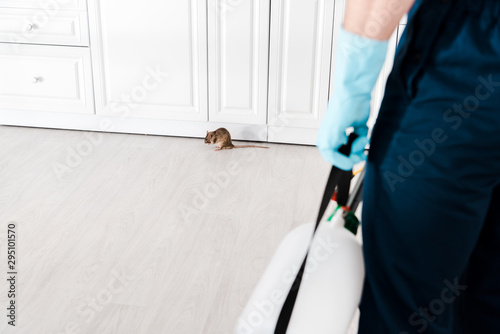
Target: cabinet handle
column 29, row 27
column 35, row 80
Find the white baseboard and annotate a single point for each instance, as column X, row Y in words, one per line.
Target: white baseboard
column 129, row 125
column 289, row 135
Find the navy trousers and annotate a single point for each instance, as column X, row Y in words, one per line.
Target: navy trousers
column 431, row 215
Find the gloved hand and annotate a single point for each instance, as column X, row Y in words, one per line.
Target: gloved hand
column 358, row 61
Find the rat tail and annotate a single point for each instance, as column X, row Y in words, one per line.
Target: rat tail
column 244, row 146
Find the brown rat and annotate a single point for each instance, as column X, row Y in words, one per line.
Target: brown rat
column 222, row 138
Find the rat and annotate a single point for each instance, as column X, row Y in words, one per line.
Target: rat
column 222, row 138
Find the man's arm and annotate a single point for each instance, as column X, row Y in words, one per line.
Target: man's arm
column 375, row 19
column 361, row 50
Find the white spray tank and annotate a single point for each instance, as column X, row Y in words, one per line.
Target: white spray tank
column 332, row 280
column 261, row 313
column 331, row 288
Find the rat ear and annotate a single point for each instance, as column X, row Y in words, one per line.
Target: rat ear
column 207, row 132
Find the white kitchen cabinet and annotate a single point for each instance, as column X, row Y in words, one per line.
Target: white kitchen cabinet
column 301, row 41
column 150, row 58
column 238, row 47
column 36, row 78
column 261, row 68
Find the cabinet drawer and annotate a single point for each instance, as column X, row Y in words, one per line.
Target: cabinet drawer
column 48, row 6
column 26, row 26
column 45, row 78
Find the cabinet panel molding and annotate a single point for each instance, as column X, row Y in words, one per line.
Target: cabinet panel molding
column 150, row 61
column 238, row 60
column 301, row 37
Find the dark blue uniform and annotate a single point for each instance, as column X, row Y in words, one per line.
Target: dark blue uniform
column 431, row 217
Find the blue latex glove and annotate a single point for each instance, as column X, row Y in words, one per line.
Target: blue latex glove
column 358, row 61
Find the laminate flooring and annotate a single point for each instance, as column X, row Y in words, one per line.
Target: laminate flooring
column 137, row 234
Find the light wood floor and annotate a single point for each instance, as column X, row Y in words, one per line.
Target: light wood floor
column 105, row 246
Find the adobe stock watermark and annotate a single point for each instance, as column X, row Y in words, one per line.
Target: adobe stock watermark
column 88, row 310
column 218, row 182
column 436, row 307
column 265, row 308
column 454, row 116
column 153, row 78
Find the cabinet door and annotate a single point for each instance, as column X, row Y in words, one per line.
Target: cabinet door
column 300, row 51
column 150, row 58
column 238, row 39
